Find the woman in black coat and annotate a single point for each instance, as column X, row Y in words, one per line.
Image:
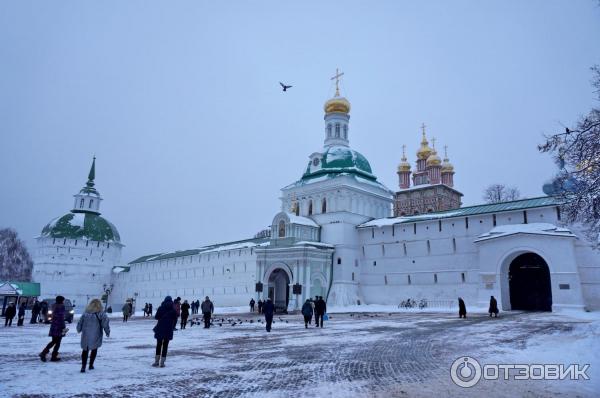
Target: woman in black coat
column 163, row 331
column 21, row 315
column 462, row 308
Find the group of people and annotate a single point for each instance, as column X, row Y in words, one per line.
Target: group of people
column 492, row 309
column 38, row 313
column 147, row 310
column 195, row 306
column 316, row 307
column 258, row 305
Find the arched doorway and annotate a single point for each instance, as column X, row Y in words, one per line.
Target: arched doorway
column 529, row 283
column 278, row 289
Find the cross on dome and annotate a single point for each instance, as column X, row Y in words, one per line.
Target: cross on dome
column 337, row 81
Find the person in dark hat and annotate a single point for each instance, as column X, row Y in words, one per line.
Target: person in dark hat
column 207, row 308
column 493, row 307
column 57, row 330
column 268, row 310
column 163, row 331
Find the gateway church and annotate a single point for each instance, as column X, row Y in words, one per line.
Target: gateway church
column 343, row 235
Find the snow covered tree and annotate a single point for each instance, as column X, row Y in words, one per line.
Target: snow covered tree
column 497, row 193
column 15, row 261
column 577, row 154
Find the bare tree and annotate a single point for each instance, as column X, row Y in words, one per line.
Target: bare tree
column 577, row 154
column 497, row 193
column 15, row 261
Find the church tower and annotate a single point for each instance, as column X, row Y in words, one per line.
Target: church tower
column 433, row 182
column 337, row 117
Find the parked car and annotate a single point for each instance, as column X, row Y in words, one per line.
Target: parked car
column 69, row 310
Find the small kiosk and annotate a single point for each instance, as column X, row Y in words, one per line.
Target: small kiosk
column 18, row 292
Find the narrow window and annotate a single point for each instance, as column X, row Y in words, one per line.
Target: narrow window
column 404, row 247
column 54, row 241
column 494, row 219
column 329, row 130
column 524, row 216
column 393, row 231
column 297, row 209
column 454, row 245
column 324, row 206
column 282, row 229
column 415, row 228
column 467, row 222
column 75, row 242
column 558, row 213
column 337, row 130
column 91, row 203
column 462, row 276
column 409, row 281
column 383, row 250
column 353, row 276
column 363, row 251
column 108, row 245
column 339, row 261
column 374, row 263
column 428, row 247
column 385, row 279
column 345, row 131
column 64, row 241
column 434, row 278
column 440, row 225
column 372, row 233
column 310, row 208
column 81, row 203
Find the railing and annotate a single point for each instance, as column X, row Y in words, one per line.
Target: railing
column 423, row 304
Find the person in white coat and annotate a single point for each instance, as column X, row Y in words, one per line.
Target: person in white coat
column 91, row 325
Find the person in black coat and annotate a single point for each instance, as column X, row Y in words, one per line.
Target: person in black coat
column 268, row 309
column 185, row 313
column 35, row 312
column 260, row 306
column 149, row 309
column 163, row 331
column 493, row 307
column 462, row 308
column 320, row 310
column 252, row 302
column 307, row 312
column 9, row 314
column 21, row 315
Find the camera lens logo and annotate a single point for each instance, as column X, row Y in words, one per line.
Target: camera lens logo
column 465, row 372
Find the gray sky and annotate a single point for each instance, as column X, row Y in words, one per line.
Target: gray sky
column 181, row 104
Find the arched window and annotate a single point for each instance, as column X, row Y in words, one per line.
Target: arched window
column 310, row 210
column 337, row 130
column 91, row 203
column 324, row 206
column 81, row 203
column 339, row 261
column 345, row 131
column 282, row 229
column 297, row 208
column 329, row 130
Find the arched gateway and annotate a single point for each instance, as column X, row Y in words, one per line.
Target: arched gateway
column 278, row 288
column 529, row 283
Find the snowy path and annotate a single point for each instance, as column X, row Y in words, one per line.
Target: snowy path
column 363, row 355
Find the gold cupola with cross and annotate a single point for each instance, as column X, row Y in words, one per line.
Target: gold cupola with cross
column 337, row 104
column 424, row 150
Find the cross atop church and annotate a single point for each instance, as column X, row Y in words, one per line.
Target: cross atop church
column 445, row 151
column 433, row 142
column 337, row 81
column 423, row 128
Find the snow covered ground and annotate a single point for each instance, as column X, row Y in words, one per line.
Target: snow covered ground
column 358, row 354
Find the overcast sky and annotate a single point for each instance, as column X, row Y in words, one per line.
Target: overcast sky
column 181, row 104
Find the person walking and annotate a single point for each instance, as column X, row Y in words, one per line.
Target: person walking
column 150, row 309
column 260, row 306
column 145, row 310
column 307, row 311
column 35, row 312
column 21, row 315
column 493, row 307
column 9, row 314
column 185, row 313
column 177, row 307
column 207, row 308
column 314, row 306
column 126, row 312
column 57, row 330
column 44, row 310
column 252, row 302
column 90, row 325
column 320, row 310
column 163, row 331
column 268, row 310
column 462, row 308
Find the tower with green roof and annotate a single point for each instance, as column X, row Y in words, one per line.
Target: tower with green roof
column 77, row 251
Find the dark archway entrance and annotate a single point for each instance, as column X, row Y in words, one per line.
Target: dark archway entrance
column 529, row 283
column 279, row 289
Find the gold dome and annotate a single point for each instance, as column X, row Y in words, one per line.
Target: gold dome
column 337, row 104
column 404, row 165
column 434, row 159
column 424, row 151
column 447, row 167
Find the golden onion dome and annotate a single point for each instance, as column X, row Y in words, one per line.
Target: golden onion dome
column 447, row 166
column 404, row 165
column 338, row 105
column 424, row 151
column 434, row 159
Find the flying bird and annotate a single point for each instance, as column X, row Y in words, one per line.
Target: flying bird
column 285, row 87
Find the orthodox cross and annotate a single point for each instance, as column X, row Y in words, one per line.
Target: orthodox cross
column 337, row 81
column 445, row 151
column 403, row 152
column 433, row 142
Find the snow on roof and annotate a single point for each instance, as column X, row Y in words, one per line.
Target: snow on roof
column 319, row 244
column 534, row 229
column 117, row 270
column 294, row 219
